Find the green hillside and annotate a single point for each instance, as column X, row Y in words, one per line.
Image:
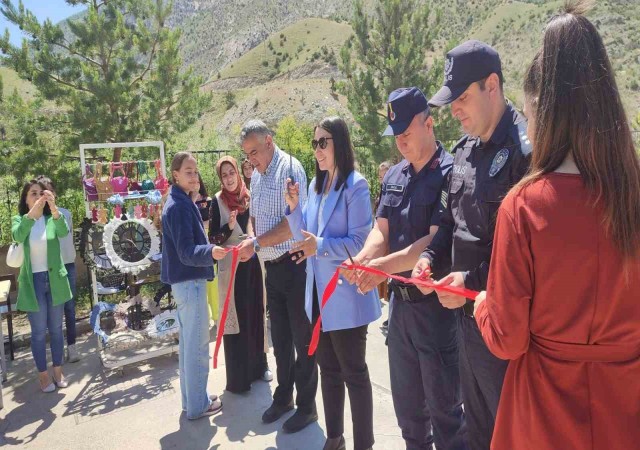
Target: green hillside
column 515, row 30
column 12, row 81
column 305, row 41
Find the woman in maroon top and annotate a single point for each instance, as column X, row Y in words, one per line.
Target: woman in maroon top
column 562, row 301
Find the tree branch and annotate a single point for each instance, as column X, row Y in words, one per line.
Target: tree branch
column 61, row 81
column 73, row 52
column 146, row 70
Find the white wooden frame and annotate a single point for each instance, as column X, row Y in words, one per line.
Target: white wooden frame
column 112, row 361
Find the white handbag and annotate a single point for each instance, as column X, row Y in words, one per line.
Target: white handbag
column 15, row 255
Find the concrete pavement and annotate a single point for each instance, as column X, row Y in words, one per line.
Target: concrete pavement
column 141, row 409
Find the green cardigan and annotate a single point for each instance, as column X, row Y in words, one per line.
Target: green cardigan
column 60, row 288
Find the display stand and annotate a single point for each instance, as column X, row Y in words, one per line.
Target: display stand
column 134, row 344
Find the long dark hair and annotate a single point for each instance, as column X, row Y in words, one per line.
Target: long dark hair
column 23, row 208
column 578, row 111
column 343, row 151
column 203, row 189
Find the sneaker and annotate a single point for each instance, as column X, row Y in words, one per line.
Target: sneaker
column 63, row 383
column 267, row 376
column 72, row 353
column 48, row 389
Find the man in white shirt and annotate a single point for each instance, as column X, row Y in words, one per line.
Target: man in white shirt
column 285, row 280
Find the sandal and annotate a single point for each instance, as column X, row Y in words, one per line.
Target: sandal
column 214, row 408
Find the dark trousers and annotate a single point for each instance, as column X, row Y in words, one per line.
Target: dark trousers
column 341, row 356
column 291, row 333
column 481, row 375
column 70, row 306
column 425, row 383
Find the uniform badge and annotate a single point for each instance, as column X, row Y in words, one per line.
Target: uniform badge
column 498, row 162
column 392, row 115
column 394, row 188
column 448, row 67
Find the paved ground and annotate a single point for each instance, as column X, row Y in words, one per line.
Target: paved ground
column 141, row 410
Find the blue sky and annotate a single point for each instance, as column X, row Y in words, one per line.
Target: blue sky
column 56, row 10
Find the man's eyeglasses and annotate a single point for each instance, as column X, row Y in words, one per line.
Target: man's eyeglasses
column 322, row 142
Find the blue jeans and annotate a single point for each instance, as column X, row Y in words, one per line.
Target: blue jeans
column 193, row 318
column 70, row 306
column 47, row 317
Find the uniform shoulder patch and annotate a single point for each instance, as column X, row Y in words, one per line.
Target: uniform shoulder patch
column 498, row 162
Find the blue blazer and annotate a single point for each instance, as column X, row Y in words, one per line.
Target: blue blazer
column 346, row 220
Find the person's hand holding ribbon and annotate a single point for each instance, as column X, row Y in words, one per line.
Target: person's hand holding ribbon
column 350, row 274
column 447, row 299
column 219, row 252
column 368, row 281
column 422, row 269
column 245, row 249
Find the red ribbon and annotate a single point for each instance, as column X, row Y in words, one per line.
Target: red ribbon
column 234, row 259
column 331, row 287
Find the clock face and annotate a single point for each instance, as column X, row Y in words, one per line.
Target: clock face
column 132, row 241
column 95, row 249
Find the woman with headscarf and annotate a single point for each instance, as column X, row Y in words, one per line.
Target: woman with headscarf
column 244, row 337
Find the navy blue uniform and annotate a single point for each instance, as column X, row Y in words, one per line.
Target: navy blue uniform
column 423, row 348
column 482, row 175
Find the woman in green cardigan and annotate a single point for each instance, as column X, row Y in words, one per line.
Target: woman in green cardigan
column 43, row 286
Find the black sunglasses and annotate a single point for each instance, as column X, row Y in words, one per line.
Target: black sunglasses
column 322, row 142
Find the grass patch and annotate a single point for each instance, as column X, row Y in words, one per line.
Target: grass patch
column 289, row 48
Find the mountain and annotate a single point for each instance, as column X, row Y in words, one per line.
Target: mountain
column 274, row 58
column 217, row 32
column 236, row 44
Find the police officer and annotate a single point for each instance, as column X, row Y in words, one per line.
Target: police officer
column 492, row 157
column 422, row 337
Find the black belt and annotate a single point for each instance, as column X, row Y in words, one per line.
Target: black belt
column 407, row 292
column 279, row 259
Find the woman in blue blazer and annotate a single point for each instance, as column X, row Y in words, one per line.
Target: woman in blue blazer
column 337, row 215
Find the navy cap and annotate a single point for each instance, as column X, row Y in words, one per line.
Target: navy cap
column 467, row 63
column 402, row 107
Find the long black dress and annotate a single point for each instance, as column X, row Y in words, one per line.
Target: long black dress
column 245, row 359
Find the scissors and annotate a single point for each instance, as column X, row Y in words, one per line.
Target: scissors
column 348, row 254
column 353, row 263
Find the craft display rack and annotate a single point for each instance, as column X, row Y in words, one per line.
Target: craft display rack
column 132, row 345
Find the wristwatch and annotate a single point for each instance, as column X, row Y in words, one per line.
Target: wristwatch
column 256, row 245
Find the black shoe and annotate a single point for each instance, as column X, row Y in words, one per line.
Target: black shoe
column 276, row 411
column 299, row 420
column 335, row 444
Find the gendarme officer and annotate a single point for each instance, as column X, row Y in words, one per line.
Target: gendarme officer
column 492, row 157
column 423, row 348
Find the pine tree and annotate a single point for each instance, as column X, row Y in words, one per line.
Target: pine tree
column 388, row 51
column 115, row 70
